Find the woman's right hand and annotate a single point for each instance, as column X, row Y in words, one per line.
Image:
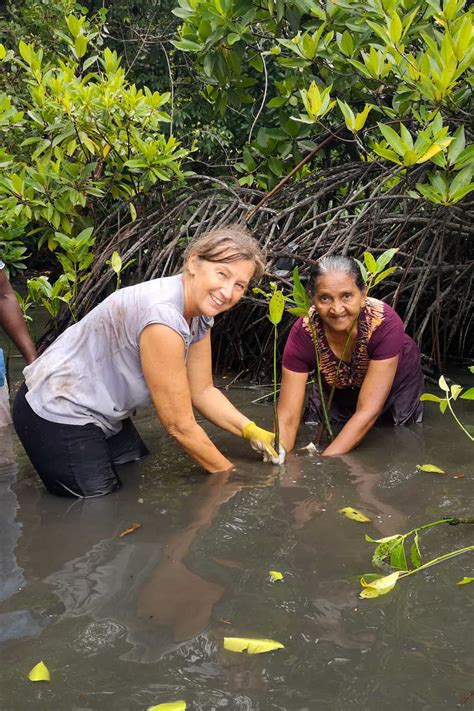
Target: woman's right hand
column 263, row 441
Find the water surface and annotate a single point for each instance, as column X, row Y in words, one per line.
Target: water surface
column 128, row 622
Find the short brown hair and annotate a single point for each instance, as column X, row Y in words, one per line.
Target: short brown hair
column 228, row 244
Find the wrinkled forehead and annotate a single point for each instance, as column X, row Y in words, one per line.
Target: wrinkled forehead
column 335, row 281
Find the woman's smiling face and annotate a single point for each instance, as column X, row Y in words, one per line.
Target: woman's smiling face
column 338, row 300
column 217, row 286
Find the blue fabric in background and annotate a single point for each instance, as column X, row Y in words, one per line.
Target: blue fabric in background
column 2, row 369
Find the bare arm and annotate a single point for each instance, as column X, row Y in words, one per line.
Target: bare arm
column 162, row 360
column 290, row 405
column 12, row 321
column 373, row 394
column 206, row 398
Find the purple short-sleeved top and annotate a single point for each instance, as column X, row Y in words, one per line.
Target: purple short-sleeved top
column 380, row 335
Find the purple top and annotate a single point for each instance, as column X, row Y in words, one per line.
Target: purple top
column 380, row 335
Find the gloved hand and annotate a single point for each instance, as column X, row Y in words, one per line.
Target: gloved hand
column 263, row 441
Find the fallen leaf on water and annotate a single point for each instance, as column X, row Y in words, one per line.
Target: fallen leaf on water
column 275, row 575
column 378, row 587
column 171, row 706
column 354, row 514
column 430, row 468
column 40, row 672
column 251, row 646
column 226, row 622
column 132, row 528
column 465, row 581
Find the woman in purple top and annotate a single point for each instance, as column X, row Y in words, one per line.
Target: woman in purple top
column 379, row 377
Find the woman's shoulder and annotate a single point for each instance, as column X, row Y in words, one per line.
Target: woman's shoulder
column 384, row 328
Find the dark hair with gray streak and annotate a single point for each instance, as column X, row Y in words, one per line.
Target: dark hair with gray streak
column 338, row 263
column 228, row 244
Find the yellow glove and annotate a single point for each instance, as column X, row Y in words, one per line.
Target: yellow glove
column 263, row 441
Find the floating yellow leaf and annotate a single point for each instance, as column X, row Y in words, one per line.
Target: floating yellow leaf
column 381, row 586
column 172, row 706
column 275, row 575
column 465, row 581
column 430, row 468
column 40, row 672
column 354, row 514
column 251, row 646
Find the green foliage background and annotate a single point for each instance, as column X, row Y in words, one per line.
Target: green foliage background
column 109, row 109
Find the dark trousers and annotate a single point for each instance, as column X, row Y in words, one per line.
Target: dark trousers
column 74, row 460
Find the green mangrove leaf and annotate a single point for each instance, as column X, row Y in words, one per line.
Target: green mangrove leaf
column 455, row 390
column 385, row 258
column 171, row 706
column 382, row 586
column 468, row 395
column 397, row 556
column 299, row 292
column 276, row 307
column 251, row 646
column 370, row 262
column 465, row 581
column 431, row 398
column 40, row 672
column 384, row 550
column 443, row 406
column 275, row 575
column 415, row 551
column 363, row 270
column 116, row 262
column 430, row 468
column 383, row 275
column 471, row 369
column 443, row 384
column 354, row 514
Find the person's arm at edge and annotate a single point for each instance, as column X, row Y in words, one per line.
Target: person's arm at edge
column 210, row 402
column 12, row 321
column 162, row 359
column 373, row 394
column 290, row 405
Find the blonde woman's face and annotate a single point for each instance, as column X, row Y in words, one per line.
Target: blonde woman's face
column 218, row 286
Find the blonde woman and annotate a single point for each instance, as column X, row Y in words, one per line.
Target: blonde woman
column 145, row 343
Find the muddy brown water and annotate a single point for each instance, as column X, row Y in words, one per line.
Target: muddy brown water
column 128, row 622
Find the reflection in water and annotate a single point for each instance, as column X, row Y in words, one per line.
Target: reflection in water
column 197, row 570
column 17, row 623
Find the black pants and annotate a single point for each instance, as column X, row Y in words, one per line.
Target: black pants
column 74, row 460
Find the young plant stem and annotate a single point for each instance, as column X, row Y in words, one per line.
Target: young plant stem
column 448, row 400
column 435, row 561
column 314, row 337
column 275, row 382
column 320, row 434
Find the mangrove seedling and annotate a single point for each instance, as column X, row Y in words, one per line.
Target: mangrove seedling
column 451, row 394
column 276, row 306
column 118, row 267
column 391, row 551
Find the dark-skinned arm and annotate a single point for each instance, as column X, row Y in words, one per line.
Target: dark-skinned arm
column 372, row 397
column 12, row 321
